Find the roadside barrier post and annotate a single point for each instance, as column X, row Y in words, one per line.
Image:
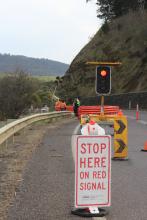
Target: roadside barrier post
column 137, row 112
column 129, row 105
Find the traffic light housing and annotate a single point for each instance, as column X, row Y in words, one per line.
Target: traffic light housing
column 103, row 80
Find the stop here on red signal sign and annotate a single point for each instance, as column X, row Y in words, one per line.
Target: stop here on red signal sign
column 92, row 171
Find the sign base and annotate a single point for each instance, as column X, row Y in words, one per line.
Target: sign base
column 86, row 212
column 120, row 158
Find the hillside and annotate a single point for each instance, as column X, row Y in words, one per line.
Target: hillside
column 125, row 40
column 34, row 66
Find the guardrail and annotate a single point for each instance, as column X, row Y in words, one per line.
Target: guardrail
column 13, row 127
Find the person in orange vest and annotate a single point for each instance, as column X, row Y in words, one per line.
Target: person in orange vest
column 63, row 105
column 58, row 105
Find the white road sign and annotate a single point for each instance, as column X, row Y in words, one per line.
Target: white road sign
column 93, row 171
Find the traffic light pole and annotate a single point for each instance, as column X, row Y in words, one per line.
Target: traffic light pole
column 102, row 105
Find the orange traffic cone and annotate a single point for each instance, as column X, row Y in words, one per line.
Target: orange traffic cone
column 120, row 112
column 145, row 146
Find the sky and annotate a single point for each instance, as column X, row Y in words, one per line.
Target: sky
column 52, row 29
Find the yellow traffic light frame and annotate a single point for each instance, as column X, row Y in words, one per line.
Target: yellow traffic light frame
column 103, row 63
column 97, row 63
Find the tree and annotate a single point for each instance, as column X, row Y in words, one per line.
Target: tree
column 110, row 9
column 16, row 94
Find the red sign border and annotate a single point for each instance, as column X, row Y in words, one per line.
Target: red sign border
column 109, row 173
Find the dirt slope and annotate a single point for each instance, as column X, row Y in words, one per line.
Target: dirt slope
column 125, row 40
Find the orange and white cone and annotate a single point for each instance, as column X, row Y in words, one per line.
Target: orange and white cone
column 120, row 113
column 145, row 147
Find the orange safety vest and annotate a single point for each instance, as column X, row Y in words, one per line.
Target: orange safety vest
column 58, row 106
column 63, row 105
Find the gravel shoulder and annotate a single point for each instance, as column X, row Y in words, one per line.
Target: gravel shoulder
column 13, row 159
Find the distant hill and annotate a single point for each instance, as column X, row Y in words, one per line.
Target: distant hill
column 34, row 66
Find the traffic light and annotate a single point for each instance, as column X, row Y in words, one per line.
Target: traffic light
column 103, row 80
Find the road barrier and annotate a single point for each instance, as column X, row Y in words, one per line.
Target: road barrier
column 108, row 110
column 13, row 127
column 69, row 108
column 137, row 112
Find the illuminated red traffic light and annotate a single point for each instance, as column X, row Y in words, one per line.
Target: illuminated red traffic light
column 103, row 73
column 103, row 80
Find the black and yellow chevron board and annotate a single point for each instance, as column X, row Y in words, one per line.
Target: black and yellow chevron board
column 120, row 137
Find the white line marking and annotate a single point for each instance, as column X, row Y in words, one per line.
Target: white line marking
column 143, row 122
column 131, row 117
column 140, row 121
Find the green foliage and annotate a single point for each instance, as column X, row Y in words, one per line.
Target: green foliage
column 36, row 100
column 43, row 96
column 45, row 78
column 19, row 91
column 105, row 27
column 110, row 9
column 15, row 94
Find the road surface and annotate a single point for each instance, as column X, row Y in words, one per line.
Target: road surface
column 47, row 190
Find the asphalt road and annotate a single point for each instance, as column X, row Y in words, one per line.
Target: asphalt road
column 47, row 190
column 129, row 178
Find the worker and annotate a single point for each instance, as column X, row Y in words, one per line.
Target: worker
column 76, row 106
column 58, row 105
column 63, row 105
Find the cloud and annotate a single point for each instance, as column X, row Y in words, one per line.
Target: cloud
column 41, row 28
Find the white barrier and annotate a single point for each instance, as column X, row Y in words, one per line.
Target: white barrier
column 13, row 127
